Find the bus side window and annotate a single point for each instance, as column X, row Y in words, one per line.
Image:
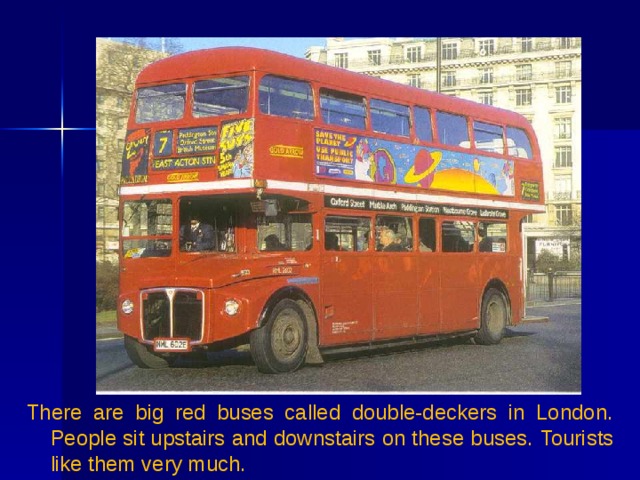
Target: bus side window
column 387, row 117
column 458, row 236
column 393, row 234
column 285, row 97
column 492, row 237
column 488, row 137
column 452, row 129
column 339, row 108
column 423, row 124
column 427, row 234
column 346, row 234
column 518, row 143
column 285, row 232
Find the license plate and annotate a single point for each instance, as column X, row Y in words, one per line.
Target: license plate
column 171, row 345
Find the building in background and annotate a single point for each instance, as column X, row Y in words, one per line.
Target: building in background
column 537, row 77
column 117, row 66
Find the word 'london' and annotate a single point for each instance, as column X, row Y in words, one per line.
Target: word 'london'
column 411, row 207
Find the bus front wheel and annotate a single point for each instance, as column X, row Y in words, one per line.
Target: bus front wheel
column 143, row 357
column 280, row 345
column 493, row 318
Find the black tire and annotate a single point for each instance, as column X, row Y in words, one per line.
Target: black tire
column 143, row 356
column 280, row 345
column 494, row 315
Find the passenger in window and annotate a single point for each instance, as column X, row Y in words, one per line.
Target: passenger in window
column 272, row 243
column 485, row 243
column 197, row 236
column 331, row 241
column 390, row 241
column 363, row 242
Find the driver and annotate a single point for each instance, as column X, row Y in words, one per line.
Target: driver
column 197, row 236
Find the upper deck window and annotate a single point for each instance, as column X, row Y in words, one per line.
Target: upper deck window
column 339, row 108
column 423, row 123
column 518, row 143
column 452, row 129
column 220, row 96
column 285, row 97
column 488, row 137
column 162, row 102
column 387, row 117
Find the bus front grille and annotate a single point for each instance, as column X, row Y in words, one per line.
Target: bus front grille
column 172, row 313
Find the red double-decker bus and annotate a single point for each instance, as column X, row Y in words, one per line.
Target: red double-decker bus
column 298, row 208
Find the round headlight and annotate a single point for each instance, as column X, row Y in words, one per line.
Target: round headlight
column 127, row 306
column 231, row 307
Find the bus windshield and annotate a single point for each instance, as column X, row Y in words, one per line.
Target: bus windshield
column 146, row 228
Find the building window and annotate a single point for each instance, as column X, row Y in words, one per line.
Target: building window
column 414, row 54
column 524, row 72
column 341, row 60
column 563, row 69
column 486, row 98
column 562, row 128
column 564, row 215
column 563, row 186
column 486, row 75
column 563, row 94
column 375, row 57
column 449, row 51
column 449, row 79
column 565, row 42
column 100, row 215
column 486, row 47
column 563, row 157
column 414, row 80
column 523, row 96
column 526, row 44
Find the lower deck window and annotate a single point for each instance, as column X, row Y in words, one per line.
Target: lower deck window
column 347, row 234
column 284, row 232
column 492, row 237
column 458, row 236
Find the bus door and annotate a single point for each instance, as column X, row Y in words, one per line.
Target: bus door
column 394, row 279
column 458, row 276
column 428, row 264
column 346, row 311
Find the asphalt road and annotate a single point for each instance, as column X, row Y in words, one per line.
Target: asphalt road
column 533, row 357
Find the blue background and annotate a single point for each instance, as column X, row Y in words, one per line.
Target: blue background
column 49, row 220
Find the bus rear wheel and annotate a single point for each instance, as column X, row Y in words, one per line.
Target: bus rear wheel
column 493, row 318
column 280, row 345
column 143, row 357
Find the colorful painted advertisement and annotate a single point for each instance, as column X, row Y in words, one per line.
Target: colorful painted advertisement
column 236, row 149
column 135, row 158
column 354, row 157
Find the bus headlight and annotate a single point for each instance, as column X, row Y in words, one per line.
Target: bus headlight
column 127, row 307
column 231, row 307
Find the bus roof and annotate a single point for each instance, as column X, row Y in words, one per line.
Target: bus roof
column 229, row 60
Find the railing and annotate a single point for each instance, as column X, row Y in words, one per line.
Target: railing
column 470, row 54
column 553, row 286
column 564, row 196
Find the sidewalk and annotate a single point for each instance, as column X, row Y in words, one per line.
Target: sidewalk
column 105, row 331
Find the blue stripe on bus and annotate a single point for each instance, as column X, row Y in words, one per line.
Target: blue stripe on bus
column 304, row 280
